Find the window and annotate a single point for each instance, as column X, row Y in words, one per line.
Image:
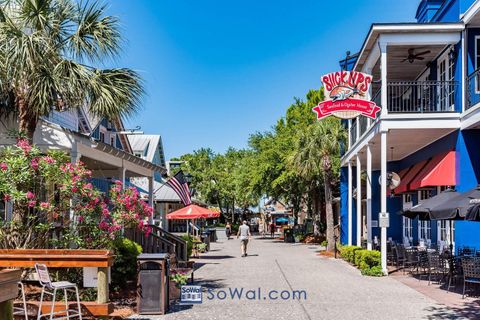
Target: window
column 477, row 62
column 407, row 222
column 446, row 76
column 424, row 227
column 113, row 140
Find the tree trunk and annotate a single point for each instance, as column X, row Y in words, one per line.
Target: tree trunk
column 27, row 121
column 329, row 211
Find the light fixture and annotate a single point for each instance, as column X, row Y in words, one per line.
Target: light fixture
column 452, row 54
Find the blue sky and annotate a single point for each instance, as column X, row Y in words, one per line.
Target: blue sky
column 217, row 71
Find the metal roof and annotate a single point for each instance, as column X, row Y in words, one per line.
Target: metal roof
column 147, row 144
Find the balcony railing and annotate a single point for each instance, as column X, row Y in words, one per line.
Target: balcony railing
column 421, row 96
column 473, row 89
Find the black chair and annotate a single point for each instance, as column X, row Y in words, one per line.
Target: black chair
column 412, row 259
column 471, row 272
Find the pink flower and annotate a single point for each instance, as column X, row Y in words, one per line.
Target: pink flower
column 80, row 219
column 45, row 205
column 103, row 225
column 34, row 163
column 30, row 195
column 24, row 145
column 118, row 182
column 3, row 166
column 48, row 159
column 7, row 197
column 32, row 203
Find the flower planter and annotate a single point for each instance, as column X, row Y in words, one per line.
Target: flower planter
column 8, row 291
column 173, row 291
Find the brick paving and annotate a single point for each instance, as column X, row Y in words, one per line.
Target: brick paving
column 334, row 289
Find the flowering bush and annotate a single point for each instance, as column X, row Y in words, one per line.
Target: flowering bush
column 54, row 203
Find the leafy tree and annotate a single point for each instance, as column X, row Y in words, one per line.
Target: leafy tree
column 45, row 49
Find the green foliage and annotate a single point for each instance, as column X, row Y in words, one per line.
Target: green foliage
column 324, row 243
column 125, row 265
column 189, row 240
column 368, row 261
column 179, row 278
column 202, row 247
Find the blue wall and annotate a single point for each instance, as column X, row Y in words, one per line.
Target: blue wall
column 344, row 205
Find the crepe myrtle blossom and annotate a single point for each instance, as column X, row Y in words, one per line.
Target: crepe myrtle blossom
column 24, row 145
column 3, row 166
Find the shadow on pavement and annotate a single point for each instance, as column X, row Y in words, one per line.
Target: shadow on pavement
column 216, row 257
column 210, row 284
column 468, row 312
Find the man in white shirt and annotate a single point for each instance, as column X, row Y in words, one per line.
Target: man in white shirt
column 244, row 235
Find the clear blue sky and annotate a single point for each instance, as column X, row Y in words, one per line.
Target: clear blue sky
column 217, row 71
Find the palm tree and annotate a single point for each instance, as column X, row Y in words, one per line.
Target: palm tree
column 317, row 154
column 49, row 50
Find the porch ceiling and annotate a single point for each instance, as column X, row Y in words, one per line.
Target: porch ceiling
column 404, row 143
column 404, row 71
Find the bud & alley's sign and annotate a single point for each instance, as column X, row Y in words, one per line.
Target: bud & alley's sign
column 347, row 96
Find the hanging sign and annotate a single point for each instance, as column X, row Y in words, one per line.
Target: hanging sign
column 347, row 96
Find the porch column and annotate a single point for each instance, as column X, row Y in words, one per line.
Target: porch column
column 121, row 175
column 359, row 201
column 383, row 197
column 349, row 133
column 383, row 67
column 464, row 70
column 150, row 197
column 369, row 198
column 350, row 199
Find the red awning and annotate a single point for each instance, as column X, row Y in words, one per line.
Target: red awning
column 192, row 212
column 439, row 171
column 409, row 175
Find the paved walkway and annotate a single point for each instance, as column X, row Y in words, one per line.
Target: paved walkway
column 334, row 289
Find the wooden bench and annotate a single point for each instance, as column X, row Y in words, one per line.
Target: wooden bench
column 60, row 258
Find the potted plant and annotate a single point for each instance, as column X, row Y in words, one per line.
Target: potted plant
column 177, row 279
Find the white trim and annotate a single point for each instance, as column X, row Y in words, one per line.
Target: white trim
column 464, row 68
column 471, row 12
column 350, row 204
column 423, row 39
column 359, row 201
column 477, row 37
column 369, row 198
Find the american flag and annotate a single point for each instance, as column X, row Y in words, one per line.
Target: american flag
column 179, row 184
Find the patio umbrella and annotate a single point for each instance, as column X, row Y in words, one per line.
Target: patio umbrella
column 192, row 212
column 424, row 210
column 457, row 207
column 282, row 220
column 473, row 213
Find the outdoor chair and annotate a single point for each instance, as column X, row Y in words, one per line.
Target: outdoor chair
column 21, row 310
column 412, row 259
column 435, row 267
column 400, row 258
column 454, row 269
column 471, row 272
column 51, row 288
column 423, row 264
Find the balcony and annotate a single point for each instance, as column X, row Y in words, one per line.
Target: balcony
column 421, row 96
column 473, row 89
column 407, row 97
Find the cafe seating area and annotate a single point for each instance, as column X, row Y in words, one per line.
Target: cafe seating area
column 459, row 272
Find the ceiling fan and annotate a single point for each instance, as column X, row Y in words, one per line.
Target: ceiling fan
column 412, row 56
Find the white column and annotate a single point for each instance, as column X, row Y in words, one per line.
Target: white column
column 150, row 197
column 383, row 67
column 359, row 201
column 349, row 133
column 383, row 197
column 369, row 197
column 350, row 203
column 121, row 175
column 464, row 70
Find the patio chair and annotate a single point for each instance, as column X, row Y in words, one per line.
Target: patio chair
column 423, row 263
column 471, row 272
column 21, row 311
column 435, row 267
column 412, row 259
column 51, row 288
column 399, row 252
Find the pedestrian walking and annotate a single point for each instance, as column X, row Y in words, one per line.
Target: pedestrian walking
column 244, row 235
column 272, row 230
column 228, row 230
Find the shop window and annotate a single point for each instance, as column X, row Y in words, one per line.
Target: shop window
column 407, row 222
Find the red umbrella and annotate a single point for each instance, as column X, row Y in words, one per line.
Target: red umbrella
column 192, row 212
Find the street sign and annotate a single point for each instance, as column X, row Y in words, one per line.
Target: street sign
column 383, row 220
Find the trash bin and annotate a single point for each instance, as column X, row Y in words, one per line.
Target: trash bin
column 288, row 235
column 213, row 235
column 153, row 283
column 205, row 236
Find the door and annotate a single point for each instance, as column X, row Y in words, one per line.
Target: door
column 445, row 87
column 407, row 222
column 424, row 227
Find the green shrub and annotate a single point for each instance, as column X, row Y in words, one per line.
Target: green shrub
column 202, row 247
column 348, row 253
column 370, row 259
column 324, row 243
column 189, row 240
column 373, row 272
column 358, row 257
column 125, row 265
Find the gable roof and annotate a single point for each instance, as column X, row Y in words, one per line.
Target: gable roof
column 147, row 144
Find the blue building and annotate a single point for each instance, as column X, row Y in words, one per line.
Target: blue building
column 426, row 78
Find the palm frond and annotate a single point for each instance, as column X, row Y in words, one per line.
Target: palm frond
column 114, row 93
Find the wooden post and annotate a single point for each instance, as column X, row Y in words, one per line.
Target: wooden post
column 102, row 283
column 6, row 309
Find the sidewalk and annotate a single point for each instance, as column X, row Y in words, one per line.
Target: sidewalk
column 334, row 289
